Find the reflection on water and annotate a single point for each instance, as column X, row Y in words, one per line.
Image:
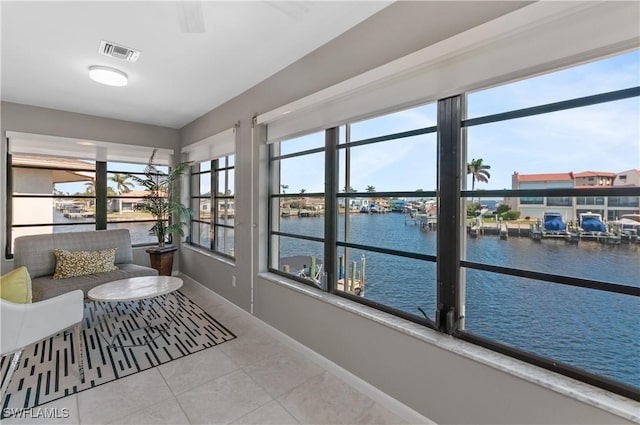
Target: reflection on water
column 592, row 330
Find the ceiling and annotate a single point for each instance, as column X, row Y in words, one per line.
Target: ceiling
column 195, row 55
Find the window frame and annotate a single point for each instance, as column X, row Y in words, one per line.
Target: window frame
column 214, row 222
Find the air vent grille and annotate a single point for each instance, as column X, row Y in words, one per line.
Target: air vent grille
column 117, row 51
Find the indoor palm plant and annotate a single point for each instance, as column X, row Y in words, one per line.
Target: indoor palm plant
column 162, row 203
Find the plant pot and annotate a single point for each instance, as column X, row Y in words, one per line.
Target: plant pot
column 162, row 259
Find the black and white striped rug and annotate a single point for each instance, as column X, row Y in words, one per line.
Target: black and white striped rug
column 48, row 370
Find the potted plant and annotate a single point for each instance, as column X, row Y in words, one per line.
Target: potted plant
column 162, row 202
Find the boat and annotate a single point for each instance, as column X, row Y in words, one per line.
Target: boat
column 364, row 209
column 594, row 229
column 628, row 227
column 553, row 226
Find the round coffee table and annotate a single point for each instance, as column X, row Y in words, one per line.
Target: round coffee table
column 140, row 289
column 135, row 288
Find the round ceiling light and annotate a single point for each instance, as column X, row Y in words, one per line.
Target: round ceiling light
column 107, row 75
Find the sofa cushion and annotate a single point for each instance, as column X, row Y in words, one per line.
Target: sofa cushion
column 80, row 263
column 15, row 286
column 45, row 287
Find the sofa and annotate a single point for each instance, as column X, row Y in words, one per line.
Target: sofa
column 36, row 253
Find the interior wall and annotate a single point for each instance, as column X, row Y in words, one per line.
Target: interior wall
column 32, row 119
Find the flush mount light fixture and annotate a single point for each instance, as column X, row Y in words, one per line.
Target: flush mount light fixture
column 107, row 75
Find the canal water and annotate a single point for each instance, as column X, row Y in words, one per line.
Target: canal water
column 593, row 330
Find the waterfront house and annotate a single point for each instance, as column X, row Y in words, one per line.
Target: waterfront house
column 570, row 207
column 251, row 91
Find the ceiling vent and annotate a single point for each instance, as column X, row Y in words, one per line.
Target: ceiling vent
column 117, row 51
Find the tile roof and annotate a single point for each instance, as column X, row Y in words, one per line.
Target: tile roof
column 594, row 174
column 545, row 177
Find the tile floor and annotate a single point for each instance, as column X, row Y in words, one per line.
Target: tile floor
column 257, row 378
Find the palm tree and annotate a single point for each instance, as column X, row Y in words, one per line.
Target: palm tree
column 303, row 191
column 91, row 187
column 371, row 189
column 478, row 172
column 284, row 187
column 122, row 185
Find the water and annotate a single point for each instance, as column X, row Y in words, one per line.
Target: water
column 593, row 330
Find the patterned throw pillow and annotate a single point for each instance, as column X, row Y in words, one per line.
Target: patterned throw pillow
column 80, row 263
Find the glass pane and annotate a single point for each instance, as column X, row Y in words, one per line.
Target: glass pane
column 615, row 73
column 231, row 160
column 225, row 242
column 201, row 234
column 140, row 232
column 226, row 211
column 303, row 143
column 301, row 215
column 577, row 241
column 126, row 208
column 53, row 210
column 85, row 185
column 402, row 283
column 557, row 147
column 302, row 174
column 205, row 166
column 592, row 330
column 410, row 119
column 201, row 208
column 299, row 257
column 406, row 164
column 225, row 182
column 410, row 227
column 203, row 184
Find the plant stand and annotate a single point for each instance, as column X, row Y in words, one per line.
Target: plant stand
column 162, row 259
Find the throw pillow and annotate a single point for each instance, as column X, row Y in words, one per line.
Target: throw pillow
column 15, row 286
column 81, row 263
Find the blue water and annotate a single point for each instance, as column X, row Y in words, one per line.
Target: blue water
column 593, row 330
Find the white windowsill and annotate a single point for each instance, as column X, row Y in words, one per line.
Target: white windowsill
column 209, row 254
column 603, row 399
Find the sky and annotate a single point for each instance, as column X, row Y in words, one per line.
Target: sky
column 603, row 137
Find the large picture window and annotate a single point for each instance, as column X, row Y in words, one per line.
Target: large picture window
column 56, row 194
column 482, row 227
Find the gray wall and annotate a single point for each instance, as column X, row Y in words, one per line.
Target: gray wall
column 441, row 385
column 32, row 119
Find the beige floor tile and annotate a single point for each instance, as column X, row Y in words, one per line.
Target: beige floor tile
column 196, row 369
column 270, row 413
column 223, row 400
column 61, row 411
column 122, row 397
column 325, row 399
column 166, row 412
column 279, row 374
column 378, row 415
column 253, row 346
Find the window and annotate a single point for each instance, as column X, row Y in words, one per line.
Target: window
column 123, row 202
column 297, row 208
column 65, row 189
column 213, row 203
column 549, row 284
column 623, row 201
column 508, row 268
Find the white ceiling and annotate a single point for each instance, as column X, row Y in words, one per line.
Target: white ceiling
column 47, row 48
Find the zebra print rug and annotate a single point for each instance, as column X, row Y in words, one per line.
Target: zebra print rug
column 115, row 345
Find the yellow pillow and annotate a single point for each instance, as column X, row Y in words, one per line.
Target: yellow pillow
column 15, row 286
column 80, row 263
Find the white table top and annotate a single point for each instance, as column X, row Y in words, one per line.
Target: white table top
column 135, row 288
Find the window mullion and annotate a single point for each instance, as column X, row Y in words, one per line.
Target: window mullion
column 448, row 238
column 331, row 206
column 101, row 195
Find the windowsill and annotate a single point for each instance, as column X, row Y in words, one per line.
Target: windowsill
column 603, row 399
column 209, row 254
